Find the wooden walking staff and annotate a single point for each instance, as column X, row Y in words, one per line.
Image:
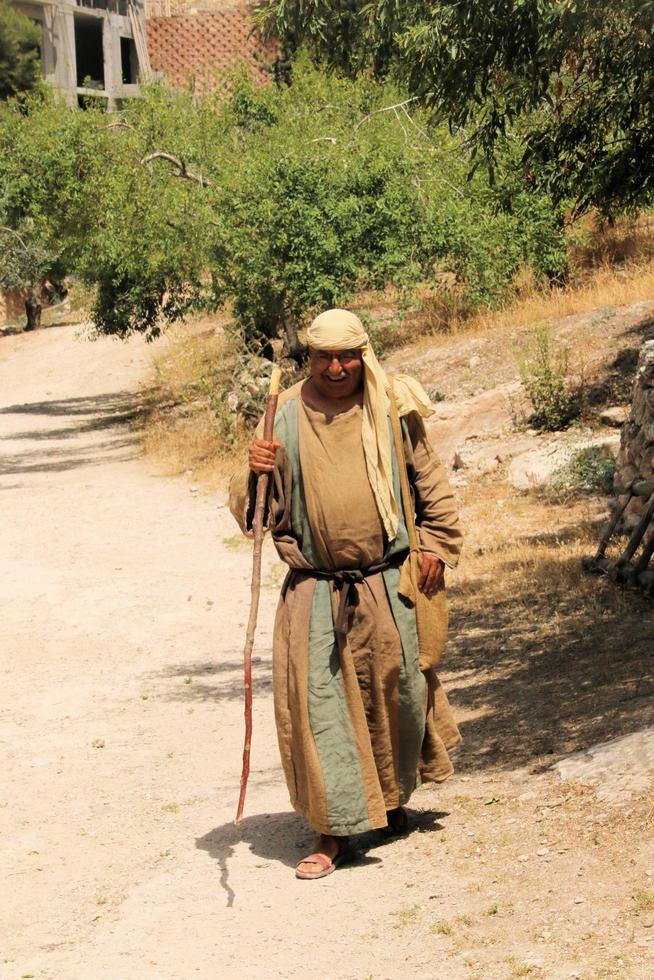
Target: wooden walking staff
column 255, row 588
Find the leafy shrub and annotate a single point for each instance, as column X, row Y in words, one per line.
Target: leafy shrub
column 543, row 371
column 591, row 468
column 20, row 39
column 274, row 204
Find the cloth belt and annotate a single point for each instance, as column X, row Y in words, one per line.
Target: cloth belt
column 345, row 580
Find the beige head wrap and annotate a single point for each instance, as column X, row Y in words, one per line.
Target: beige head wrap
column 342, row 330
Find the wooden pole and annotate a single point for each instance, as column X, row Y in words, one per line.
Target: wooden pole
column 645, row 555
column 637, row 534
column 255, row 587
column 613, row 523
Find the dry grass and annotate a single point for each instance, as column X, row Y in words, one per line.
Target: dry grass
column 644, row 901
column 564, row 659
column 608, row 287
column 608, row 268
column 187, row 430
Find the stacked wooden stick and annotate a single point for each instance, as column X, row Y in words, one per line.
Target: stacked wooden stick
column 632, row 567
column 634, row 483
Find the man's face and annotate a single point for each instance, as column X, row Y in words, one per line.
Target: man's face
column 336, row 373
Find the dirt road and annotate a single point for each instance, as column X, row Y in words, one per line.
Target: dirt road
column 124, row 595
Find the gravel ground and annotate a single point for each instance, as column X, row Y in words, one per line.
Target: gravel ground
column 123, row 604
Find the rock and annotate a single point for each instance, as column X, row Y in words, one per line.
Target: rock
column 614, row 416
column 635, row 459
column 484, row 460
column 474, row 361
column 619, row 768
column 625, row 476
column 531, row 469
column 454, row 422
column 536, row 467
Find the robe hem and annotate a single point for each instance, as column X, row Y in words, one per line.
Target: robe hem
column 337, row 831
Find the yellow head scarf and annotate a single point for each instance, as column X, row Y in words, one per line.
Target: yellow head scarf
column 342, row 330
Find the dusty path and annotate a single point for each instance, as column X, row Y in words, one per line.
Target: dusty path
column 123, row 599
column 123, row 605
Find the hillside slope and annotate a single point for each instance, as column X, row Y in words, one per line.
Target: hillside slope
column 124, row 600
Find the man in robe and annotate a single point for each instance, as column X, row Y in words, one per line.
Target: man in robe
column 359, row 724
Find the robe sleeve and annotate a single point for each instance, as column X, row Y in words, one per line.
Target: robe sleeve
column 437, row 517
column 243, row 492
column 243, row 485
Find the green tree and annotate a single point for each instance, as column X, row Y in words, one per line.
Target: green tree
column 20, row 39
column 50, row 159
column 323, row 192
column 27, row 266
column 573, row 78
column 158, row 201
column 273, row 204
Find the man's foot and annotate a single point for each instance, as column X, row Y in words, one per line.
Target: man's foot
column 330, row 852
column 398, row 822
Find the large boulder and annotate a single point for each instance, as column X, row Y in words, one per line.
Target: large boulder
column 538, row 467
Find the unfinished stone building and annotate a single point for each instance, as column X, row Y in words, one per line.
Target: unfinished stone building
column 91, row 48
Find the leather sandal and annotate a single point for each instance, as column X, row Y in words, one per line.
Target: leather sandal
column 325, row 864
column 398, row 823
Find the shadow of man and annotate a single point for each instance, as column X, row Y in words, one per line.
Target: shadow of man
column 285, row 837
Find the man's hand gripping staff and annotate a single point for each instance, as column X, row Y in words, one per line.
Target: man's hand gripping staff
column 261, row 463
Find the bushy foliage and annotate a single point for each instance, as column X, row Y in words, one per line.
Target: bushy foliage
column 588, row 469
column 575, row 76
column 274, row 203
column 20, row 37
column 544, row 373
column 51, row 157
column 150, row 254
column 332, row 190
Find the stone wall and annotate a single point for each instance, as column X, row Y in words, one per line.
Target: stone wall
column 636, row 456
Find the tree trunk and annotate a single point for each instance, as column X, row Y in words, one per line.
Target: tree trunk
column 292, row 346
column 33, row 308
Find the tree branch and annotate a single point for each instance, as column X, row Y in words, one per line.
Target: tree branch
column 16, row 235
column 391, row 108
column 181, row 166
column 121, row 124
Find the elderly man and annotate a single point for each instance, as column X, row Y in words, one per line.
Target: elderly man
column 359, row 723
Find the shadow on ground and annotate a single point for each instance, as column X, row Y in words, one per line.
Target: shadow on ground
column 285, row 838
column 95, row 405
column 228, row 688
column 615, row 382
column 541, row 672
column 100, row 413
column 60, row 460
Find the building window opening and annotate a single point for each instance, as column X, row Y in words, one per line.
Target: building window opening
column 86, row 101
column 89, row 52
column 129, row 61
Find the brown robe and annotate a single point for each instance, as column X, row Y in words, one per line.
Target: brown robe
column 358, row 723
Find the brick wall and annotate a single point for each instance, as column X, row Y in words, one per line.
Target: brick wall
column 205, row 44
